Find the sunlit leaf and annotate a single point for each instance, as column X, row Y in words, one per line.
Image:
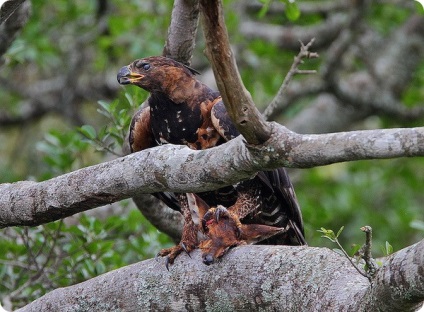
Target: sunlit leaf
column 88, row 131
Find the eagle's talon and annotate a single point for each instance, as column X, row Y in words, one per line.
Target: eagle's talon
column 184, row 247
column 220, row 212
column 167, row 262
column 239, row 233
column 157, row 256
column 171, row 253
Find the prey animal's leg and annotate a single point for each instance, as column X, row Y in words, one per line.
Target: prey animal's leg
column 189, row 236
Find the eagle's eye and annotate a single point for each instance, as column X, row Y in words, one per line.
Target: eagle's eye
column 144, row 65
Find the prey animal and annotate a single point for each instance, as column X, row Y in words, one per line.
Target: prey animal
column 223, row 229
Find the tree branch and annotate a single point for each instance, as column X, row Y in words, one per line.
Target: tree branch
column 19, row 10
column 182, row 31
column 281, row 273
column 7, row 8
column 398, row 282
column 237, row 99
column 180, row 169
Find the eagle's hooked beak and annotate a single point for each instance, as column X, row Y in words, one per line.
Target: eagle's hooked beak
column 125, row 76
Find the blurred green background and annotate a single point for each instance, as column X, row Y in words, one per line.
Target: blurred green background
column 80, row 46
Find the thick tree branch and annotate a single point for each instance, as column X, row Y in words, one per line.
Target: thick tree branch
column 182, row 31
column 237, row 99
column 398, row 282
column 281, row 273
column 7, row 8
column 14, row 14
column 180, row 169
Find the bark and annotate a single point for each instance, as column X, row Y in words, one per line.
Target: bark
column 249, row 278
column 180, row 169
column 182, row 31
column 237, row 99
column 14, row 14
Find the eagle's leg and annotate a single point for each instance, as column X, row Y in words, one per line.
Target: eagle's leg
column 189, row 236
column 248, row 202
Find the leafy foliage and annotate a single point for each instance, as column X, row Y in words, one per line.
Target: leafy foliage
column 63, row 152
column 111, row 137
column 361, row 192
column 291, row 9
column 36, row 260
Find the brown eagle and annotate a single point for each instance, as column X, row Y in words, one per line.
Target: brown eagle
column 182, row 110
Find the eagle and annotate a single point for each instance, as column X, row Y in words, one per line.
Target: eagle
column 182, row 110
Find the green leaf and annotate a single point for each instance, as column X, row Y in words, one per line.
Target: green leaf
column 389, row 248
column 419, row 5
column 100, row 267
column 129, row 99
column 88, row 131
column 340, row 231
column 292, row 10
column 354, row 249
column 264, row 9
column 329, row 234
column 104, row 105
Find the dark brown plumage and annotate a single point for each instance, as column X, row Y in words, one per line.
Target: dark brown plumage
column 184, row 111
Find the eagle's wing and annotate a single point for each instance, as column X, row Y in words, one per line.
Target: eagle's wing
column 280, row 201
column 222, row 121
column 141, row 136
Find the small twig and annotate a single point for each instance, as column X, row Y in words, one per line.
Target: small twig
column 305, row 71
column 350, row 259
column 303, row 53
column 370, row 265
column 329, row 234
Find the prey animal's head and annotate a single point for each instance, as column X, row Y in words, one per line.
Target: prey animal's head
column 223, row 229
column 155, row 74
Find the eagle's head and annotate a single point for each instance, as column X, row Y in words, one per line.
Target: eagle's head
column 156, row 74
